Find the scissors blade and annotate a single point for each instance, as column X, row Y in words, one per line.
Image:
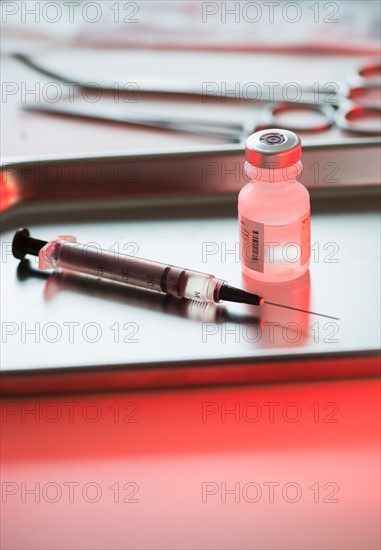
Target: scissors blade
column 226, row 131
column 252, row 92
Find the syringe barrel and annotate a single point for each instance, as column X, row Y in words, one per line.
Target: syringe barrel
column 130, row 270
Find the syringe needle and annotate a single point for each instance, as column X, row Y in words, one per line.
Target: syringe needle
column 231, row 294
column 302, row 310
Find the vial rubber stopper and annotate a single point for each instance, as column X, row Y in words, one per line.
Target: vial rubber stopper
column 273, row 148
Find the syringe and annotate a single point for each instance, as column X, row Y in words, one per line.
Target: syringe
column 65, row 253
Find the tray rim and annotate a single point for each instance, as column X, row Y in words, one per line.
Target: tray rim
column 214, row 372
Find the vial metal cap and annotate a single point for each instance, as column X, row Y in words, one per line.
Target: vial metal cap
column 273, row 148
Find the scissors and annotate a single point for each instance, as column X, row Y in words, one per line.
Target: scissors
column 349, row 110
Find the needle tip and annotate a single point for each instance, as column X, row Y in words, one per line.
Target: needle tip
column 302, row 310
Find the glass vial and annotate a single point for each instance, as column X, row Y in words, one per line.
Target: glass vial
column 274, row 209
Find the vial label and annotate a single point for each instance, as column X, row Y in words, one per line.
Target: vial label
column 275, row 249
column 305, row 238
column 252, row 244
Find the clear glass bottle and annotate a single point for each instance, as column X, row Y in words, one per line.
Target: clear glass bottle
column 274, row 209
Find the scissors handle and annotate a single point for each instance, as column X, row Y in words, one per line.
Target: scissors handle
column 367, row 74
column 367, row 96
column 349, row 118
column 272, row 112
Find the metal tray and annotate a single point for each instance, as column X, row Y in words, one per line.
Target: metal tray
column 67, row 333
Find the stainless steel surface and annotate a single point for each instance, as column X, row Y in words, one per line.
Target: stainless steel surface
column 61, row 322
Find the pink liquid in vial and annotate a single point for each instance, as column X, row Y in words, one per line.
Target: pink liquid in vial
column 274, row 209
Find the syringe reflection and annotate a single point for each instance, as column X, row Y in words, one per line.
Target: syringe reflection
column 266, row 331
column 62, row 280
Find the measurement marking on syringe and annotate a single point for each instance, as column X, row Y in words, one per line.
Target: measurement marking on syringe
column 179, row 281
column 163, row 280
column 150, row 280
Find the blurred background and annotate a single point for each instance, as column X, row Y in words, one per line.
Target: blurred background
column 231, row 49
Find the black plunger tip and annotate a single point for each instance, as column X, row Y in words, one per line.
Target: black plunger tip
column 23, row 244
column 18, row 244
